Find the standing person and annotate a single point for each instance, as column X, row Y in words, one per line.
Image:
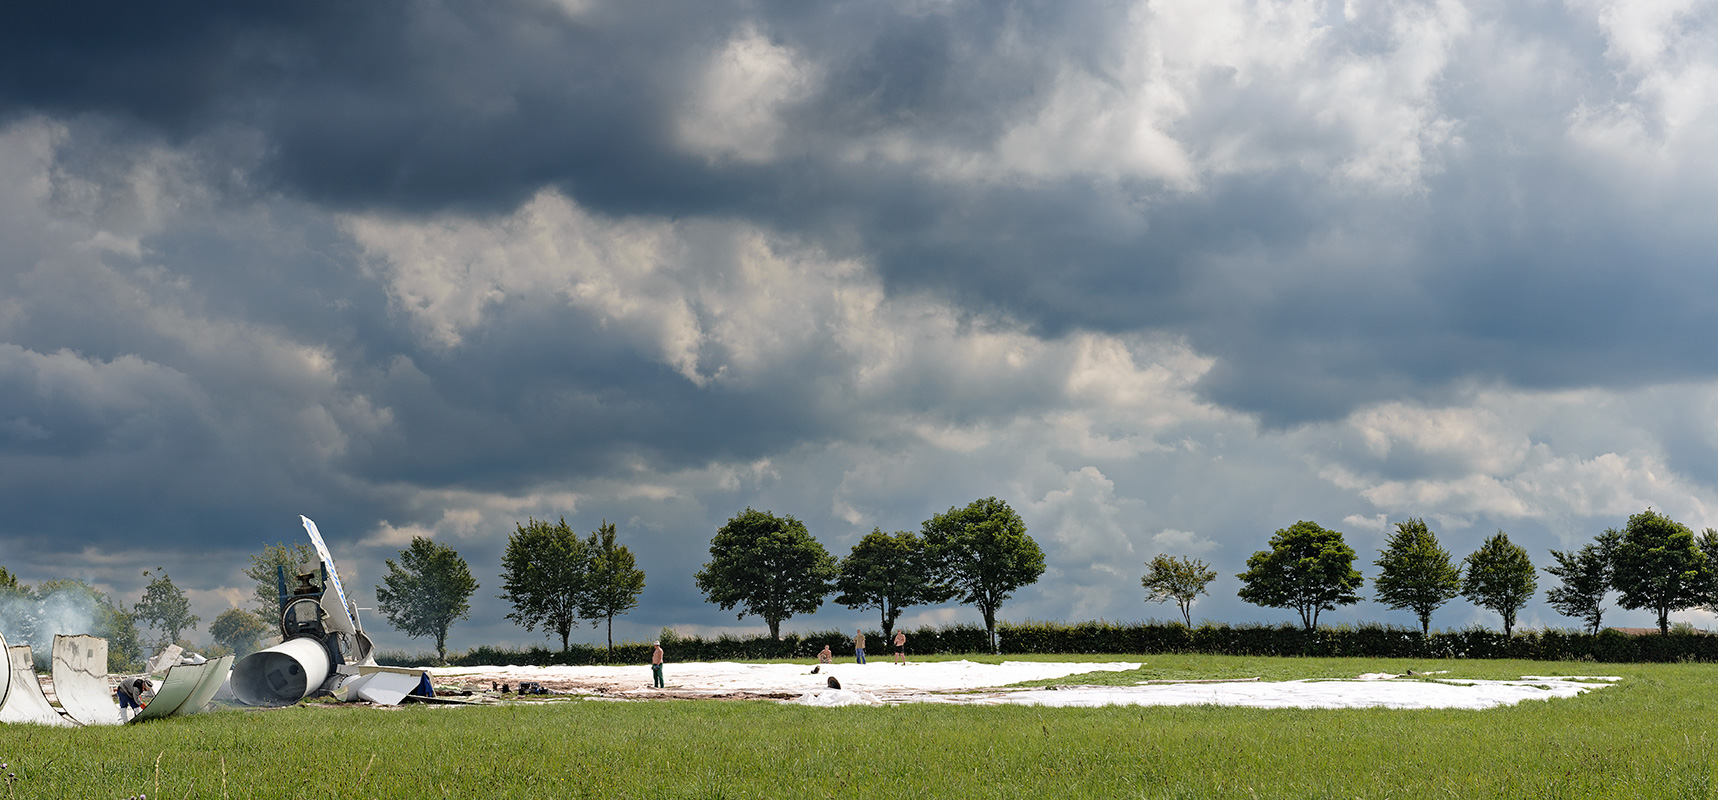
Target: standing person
column 859, row 646
column 656, row 664
column 900, row 647
column 826, row 656
column 130, row 695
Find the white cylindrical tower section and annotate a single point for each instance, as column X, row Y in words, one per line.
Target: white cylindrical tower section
column 281, row 675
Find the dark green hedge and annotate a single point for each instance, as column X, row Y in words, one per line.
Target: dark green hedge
column 1364, row 641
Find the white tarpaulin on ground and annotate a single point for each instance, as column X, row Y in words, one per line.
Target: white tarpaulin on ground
column 976, row 683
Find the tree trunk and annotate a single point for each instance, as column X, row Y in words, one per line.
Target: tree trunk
column 611, row 637
column 775, row 628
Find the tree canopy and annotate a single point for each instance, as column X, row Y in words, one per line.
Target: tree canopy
column 1415, row 573
column 613, row 580
column 1308, row 568
column 980, row 554
column 164, row 608
column 237, row 630
column 1499, row 576
column 426, row 592
column 1586, row 579
column 766, row 565
column 543, row 574
column 1659, row 566
column 266, row 595
column 1178, row 578
column 888, row 572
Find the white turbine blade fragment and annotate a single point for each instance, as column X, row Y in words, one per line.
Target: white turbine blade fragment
column 25, row 701
column 5, row 675
column 214, row 677
column 385, row 686
column 340, row 619
column 80, row 680
column 180, row 688
column 165, row 660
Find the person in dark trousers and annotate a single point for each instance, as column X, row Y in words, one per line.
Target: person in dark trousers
column 130, row 695
column 656, row 664
column 900, row 647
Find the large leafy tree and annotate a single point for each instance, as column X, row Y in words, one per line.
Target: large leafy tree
column 613, row 580
column 1708, row 544
column 766, row 565
column 1308, row 568
column 426, row 591
column 980, row 554
column 1499, row 576
column 1586, row 579
column 1415, row 572
column 237, row 630
column 1177, row 578
column 1659, row 566
column 544, row 574
column 266, row 595
column 165, row 608
column 888, row 572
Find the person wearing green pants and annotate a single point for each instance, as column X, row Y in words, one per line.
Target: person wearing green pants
column 656, row 664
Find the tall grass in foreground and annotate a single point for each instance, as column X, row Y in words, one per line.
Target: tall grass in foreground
column 1652, row 736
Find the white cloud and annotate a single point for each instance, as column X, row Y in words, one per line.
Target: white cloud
column 734, row 111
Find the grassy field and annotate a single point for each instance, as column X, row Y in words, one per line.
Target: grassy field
column 1651, row 736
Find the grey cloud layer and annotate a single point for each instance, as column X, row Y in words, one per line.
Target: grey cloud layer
column 1289, row 187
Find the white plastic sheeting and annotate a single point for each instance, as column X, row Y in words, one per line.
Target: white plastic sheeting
column 24, row 700
column 80, row 680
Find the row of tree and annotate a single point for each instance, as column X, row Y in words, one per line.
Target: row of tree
column 772, row 567
column 1653, row 563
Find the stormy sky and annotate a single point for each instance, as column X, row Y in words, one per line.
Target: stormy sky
column 1165, row 276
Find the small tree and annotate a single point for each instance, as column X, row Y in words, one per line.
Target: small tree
column 1586, row 577
column 613, row 582
column 426, row 592
column 266, row 596
column 980, row 554
column 165, row 609
column 1708, row 544
column 1180, row 579
column 1499, row 577
column 544, row 574
column 1308, row 568
column 1659, row 566
column 237, row 630
column 1415, row 573
column 888, row 572
column 768, row 566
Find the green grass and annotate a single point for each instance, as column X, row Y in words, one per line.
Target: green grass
column 1652, row 736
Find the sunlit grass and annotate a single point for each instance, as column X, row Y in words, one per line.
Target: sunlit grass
column 1652, row 735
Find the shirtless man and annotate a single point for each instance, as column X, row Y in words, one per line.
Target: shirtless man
column 900, row 647
column 656, row 665
column 826, row 656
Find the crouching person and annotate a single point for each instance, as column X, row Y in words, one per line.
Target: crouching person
column 132, row 695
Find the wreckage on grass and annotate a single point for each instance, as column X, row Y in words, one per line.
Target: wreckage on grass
column 323, row 651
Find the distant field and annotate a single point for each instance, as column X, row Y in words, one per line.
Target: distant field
column 1651, row 736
